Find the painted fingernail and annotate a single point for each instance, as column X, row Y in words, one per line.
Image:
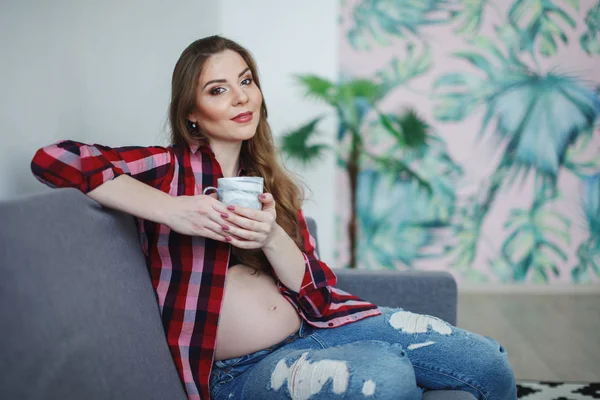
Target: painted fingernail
column 228, row 238
column 223, row 215
column 262, row 196
column 231, row 208
column 225, row 228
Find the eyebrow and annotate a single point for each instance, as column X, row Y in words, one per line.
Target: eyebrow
column 223, row 80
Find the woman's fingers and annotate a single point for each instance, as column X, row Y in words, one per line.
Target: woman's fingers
column 213, row 230
column 243, row 244
column 214, row 236
column 245, row 223
column 267, row 201
column 218, row 218
column 230, row 229
column 249, row 213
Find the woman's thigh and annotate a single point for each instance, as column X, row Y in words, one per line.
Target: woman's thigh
column 352, row 371
column 443, row 356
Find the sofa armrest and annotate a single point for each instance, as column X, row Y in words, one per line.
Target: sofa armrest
column 423, row 292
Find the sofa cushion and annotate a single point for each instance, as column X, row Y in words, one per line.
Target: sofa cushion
column 79, row 315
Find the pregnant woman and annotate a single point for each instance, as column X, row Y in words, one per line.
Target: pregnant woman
column 248, row 309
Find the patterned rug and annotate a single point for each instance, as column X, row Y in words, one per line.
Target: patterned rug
column 557, row 391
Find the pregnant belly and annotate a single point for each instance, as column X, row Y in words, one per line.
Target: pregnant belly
column 254, row 314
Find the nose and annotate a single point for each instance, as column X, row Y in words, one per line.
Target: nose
column 240, row 96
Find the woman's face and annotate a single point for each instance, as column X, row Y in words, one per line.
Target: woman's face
column 226, row 89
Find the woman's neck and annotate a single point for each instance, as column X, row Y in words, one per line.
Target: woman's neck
column 228, row 156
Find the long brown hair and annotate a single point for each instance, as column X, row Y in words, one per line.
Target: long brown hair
column 258, row 154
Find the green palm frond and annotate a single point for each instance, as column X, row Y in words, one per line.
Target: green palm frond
column 397, row 167
column 590, row 204
column 531, row 244
column 470, row 16
column 409, row 129
column 588, row 253
column 427, row 167
column 296, row 143
column 579, row 159
column 337, row 94
column 538, row 20
column 411, row 65
column 590, row 40
column 318, row 88
column 412, row 225
column 574, row 3
column 364, row 89
column 414, row 129
column 553, row 109
column 382, row 20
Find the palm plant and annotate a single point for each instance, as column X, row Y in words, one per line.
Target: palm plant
column 588, row 253
column 530, row 244
column 352, row 101
column 380, row 19
column 469, row 16
column 538, row 117
column 400, row 223
column 537, row 20
column 589, row 40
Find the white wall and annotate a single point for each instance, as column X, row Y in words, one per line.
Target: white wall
column 289, row 38
column 95, row 71
column 100, row 71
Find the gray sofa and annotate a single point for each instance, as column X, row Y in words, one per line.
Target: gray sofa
column 79, row 315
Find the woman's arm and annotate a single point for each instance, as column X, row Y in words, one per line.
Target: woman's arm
column 127, row 179
column 286, row 259
column 189, row 215
column 315, row 294
column 85, row 167
column 129, row 195
column 298, row 270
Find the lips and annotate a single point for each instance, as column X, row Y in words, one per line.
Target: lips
column 243, row 118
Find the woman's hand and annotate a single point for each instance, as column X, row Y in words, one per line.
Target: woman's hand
column 247, row 228
column 197, row 216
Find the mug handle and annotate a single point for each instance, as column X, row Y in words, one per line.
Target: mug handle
column 206, row 189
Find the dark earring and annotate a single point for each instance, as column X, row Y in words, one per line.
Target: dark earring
column 194, row 125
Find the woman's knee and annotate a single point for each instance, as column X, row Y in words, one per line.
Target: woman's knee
column 496, row 370
column 354, row 371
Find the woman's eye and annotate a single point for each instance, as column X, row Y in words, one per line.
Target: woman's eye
column 219, row 90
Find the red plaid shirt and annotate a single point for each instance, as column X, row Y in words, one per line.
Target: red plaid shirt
column 188, row 272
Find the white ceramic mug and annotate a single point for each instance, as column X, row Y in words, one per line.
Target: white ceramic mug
column 242, row 191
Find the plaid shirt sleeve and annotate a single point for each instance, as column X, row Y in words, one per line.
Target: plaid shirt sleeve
column 314, row 297
column 85, row 167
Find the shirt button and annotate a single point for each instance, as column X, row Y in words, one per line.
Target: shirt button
column 330, row 324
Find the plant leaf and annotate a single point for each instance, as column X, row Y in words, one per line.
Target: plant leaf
column 295, row 143
column 477, row 60
column 535, row 19
column 414, row 129
column 412, row 65
column 471, row 15
column 318, row 87
column 589, row 40
column 381, row 21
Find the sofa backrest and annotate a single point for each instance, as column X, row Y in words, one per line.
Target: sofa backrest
column 78, row 312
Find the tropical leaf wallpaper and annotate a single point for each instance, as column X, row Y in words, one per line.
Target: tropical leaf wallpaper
column 510, row 93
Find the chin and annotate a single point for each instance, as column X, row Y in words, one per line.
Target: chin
column 246, row 132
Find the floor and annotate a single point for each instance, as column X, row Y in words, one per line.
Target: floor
column 554, row 337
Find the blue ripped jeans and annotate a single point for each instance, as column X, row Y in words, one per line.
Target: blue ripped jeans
column 396, row 355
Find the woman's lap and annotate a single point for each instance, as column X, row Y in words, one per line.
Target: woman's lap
column 423, row 351
column 443, row 356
